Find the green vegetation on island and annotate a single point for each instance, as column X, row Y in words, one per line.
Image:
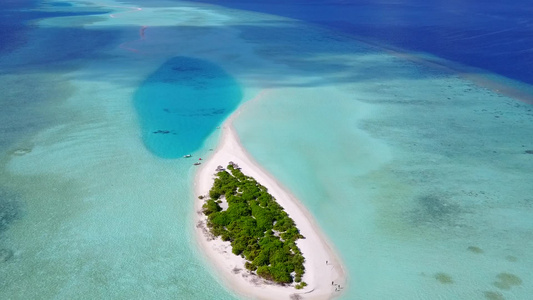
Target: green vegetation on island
column 257, row 227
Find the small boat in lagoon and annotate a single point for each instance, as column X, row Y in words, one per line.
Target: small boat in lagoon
column 187, row 156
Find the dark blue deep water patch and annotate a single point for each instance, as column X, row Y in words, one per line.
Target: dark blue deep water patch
column 493, row 35
column 60, row 4
column 16, row 18
column 182, row 102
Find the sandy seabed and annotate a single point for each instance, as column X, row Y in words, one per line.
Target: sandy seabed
column 324, row 273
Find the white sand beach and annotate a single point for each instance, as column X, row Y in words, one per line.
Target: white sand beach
column 319, row 275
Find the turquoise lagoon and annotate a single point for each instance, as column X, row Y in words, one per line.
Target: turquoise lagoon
column 418, row 177
column 183, row 102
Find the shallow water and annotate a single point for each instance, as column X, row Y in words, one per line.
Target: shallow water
column 411, row 173
column 418, row 176
column 87, row 210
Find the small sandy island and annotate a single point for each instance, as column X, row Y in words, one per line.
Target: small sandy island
column 324, row 274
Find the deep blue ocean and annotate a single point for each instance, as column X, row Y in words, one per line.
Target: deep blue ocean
column 489, row 34
column 16, row 18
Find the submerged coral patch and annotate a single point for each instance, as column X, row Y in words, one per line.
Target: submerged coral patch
column 9, row 209
column 475, row 249
column 434, row 209
column 511, row 258
column 5, row 255
column 444, row 278
column 493, row 295
column 507, row 280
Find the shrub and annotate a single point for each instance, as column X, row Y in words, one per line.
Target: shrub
column 214, row 194
column 264, row 272
column 210, row 207
column 250, row 266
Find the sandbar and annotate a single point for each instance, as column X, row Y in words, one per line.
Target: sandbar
column 324, row 272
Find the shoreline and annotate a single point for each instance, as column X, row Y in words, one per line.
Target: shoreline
column 318, row 275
